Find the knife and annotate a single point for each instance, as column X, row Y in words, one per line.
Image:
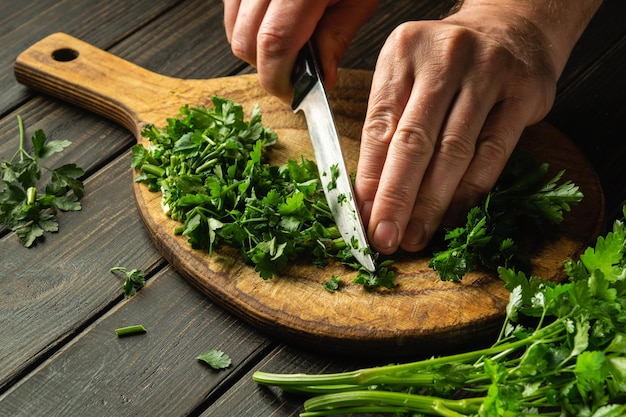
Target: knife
column 309, row 96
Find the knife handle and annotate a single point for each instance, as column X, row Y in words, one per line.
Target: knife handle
column 306, row 73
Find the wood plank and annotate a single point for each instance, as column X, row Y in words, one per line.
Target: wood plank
column 246, row 398
column 95, row 142
column 197, row 48
column 101, row 22
column 156, row 373
column 49, row 292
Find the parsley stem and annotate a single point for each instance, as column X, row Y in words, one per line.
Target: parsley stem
column 31, row 195
column 20, row 123
column 130, row 330
column 153, row 170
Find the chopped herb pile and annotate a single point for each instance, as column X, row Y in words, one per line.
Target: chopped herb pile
column 27, row 207
column 210, row 168
column 561, row 351
column 522, row 201
column 134, row 280
column 216, row 359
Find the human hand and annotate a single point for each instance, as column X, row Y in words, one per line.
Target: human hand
column 268, row 35
column 449, row 101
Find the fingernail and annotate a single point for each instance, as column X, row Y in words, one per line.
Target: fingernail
column 414, row 234
column 386, row 235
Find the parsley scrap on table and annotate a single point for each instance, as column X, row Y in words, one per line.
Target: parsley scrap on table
column 130, row 330
column 216, row 359
column 134, row 280
column 27, row 207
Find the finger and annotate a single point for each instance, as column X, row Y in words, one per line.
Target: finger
column 497, row 140
column 286, row 27
column 336, row 30
column 455, row 150
column 250, row 15
column 231, row 8
column 408, row 156
column 389, row 93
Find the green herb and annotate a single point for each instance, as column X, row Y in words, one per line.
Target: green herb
column 216, row 359
column 26, row 207
column 334, row 174
column 130, row 330
column 561, row 351
column 333, row 284
column 521, row 202
column 383, row 277
column 209, row 165
column 133, row 282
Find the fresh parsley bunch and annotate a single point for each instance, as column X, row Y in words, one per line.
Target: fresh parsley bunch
column 26, row 207
column 210, row 168
column 561, row 352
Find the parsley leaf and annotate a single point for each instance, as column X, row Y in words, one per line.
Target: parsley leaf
column 134, row 280
column 24, row 207
column 216, row 359
column 333, row 284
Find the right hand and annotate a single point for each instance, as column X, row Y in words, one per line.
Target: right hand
column 268, row 35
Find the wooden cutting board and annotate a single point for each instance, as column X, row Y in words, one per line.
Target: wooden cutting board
column 422, row 315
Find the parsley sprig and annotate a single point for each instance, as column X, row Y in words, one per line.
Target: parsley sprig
column 209, row 165
column 524, row 200
column 561, row 351
column 26, row 207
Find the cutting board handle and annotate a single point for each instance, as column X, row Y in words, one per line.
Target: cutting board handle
column 72, row 70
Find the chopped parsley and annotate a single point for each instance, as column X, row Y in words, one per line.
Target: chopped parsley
column 209, row 165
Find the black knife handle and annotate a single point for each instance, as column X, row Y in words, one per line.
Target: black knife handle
column 306, row 72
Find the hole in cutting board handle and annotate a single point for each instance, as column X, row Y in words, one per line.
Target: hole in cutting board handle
column 65, row 55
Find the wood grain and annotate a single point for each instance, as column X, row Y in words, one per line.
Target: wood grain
column 52, row 291
column 422, row 313
column 156, row 373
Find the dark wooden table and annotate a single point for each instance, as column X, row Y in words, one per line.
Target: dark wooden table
column 59, row 304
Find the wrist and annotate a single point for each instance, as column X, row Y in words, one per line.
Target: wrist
column 530, row 26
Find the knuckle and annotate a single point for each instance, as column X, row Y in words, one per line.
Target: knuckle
column 493, row 149
column 242, row 49
column 380, row 123
column 415, row 140
column 272, row 43
column 457, row 145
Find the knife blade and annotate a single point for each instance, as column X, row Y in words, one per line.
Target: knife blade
column 310, row 97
